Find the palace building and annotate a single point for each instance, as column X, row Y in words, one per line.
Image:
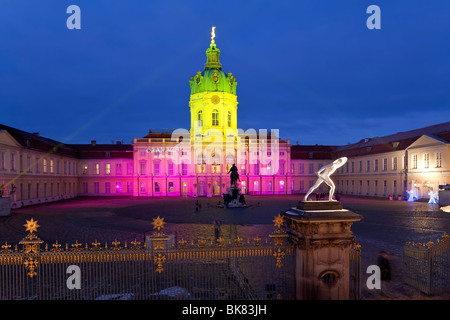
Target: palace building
column 195, row 162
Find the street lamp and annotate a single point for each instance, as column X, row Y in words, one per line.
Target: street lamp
column 138, row 184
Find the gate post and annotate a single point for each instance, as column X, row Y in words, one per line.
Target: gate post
column 321, row 232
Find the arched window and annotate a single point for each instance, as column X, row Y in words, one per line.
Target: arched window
column 229, row 118
column 215, row 117
column 200, row 115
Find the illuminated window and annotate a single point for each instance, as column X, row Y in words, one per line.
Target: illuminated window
column 414, row 161
column 44, row 165
column 97, row 168
column 229, row 118
column 243, row 169
column 129, row 168
column 394, row 163
column 281, row 170
column 438, row 159
column 200, row 117
column 384, row 164
column 269, row 168
column 256, row 168
column 201, row 168
column 28, row 164
column 426, row 160
column 170, row 186
column 85, row 168
column 2, row 160
column 119, row 187
column 215, row 168
column 301, row 168
column 215, row 117
column 51, row 166
column 143, row 169
column 157, row 189
column 108, row 168
column 13, row 162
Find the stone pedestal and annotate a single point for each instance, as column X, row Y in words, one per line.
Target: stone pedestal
column 321, row 231
column 234, row 198
column 5, row 206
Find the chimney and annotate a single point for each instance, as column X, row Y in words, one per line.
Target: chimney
column 37, row 134
column 93, row 143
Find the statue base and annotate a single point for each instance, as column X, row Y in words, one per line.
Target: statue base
column 321, row 232
column 319, row 205
column 234, row 198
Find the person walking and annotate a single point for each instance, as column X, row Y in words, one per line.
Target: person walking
column 385, row 270
column 217, row 224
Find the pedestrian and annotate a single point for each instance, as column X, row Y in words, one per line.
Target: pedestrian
column 385, row 272
column 196, row 205
column 217, row 224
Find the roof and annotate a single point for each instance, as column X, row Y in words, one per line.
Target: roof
column 397, row 141
column 312, row 152
column 35, row 141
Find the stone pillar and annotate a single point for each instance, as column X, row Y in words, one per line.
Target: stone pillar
column 321, row 231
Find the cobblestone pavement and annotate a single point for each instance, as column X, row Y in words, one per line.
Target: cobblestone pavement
column 386, row 225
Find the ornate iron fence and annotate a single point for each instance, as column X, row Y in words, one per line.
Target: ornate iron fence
column 426, row 266
column 155, row 270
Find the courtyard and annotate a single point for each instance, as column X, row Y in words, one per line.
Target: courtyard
column 386, row 225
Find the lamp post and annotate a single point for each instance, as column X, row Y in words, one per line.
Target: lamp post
column 138, row 184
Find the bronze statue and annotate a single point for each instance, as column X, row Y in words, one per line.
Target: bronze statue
column 234, row 175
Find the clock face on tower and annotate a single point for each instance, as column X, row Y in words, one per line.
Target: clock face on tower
column 215, row 99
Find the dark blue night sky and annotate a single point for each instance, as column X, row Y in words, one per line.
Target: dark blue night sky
column 311, row 69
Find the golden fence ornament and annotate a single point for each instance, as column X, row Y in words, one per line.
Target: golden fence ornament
column 42, row 264
column 279, row 236
column 31, row 246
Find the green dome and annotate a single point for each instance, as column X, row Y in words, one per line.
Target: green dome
column 213, row 78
